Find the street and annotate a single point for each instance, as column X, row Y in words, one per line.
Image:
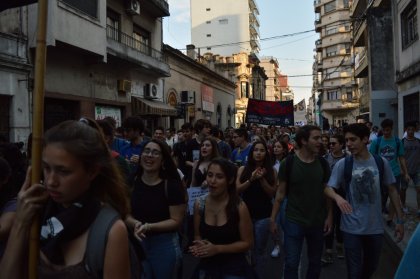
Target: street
column 387, row 266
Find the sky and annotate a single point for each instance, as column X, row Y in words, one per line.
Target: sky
column 277, row 18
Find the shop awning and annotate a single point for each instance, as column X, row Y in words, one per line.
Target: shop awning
column 149, row 107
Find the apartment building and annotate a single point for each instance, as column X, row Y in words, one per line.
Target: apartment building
column 271, row 66
column 407, row 59
column 333, row 62
column 103, row 59
column 225, row 27
column 374, row 65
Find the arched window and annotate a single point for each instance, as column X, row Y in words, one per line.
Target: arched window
column 229, row 116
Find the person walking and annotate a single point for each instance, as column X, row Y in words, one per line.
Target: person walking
column 158, row 208
column 363, row 176
column 308, row 216
column 222, row 227
column 80, row 179
column 256, row 182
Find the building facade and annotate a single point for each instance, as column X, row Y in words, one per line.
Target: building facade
column 198, row 89
column 225, row 27
column 103, row 59
column 271, row 66
column 15, row 76
column 374, row 70
column 334, row 64
column 407, row 59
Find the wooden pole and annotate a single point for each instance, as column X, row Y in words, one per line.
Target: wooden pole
column 37, row 126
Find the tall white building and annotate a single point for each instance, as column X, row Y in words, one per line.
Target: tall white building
column 225, row 27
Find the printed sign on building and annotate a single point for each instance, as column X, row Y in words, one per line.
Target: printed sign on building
column 104, row 111
column 207, row 98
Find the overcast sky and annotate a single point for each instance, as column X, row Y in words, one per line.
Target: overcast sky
column 277, row 18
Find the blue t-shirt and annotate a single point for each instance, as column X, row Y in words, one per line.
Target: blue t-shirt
column 118, row 144
column 240, row 157
column 409, row 265
column 388, row 150
column 364, row 195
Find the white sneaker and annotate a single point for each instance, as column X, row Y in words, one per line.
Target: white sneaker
column 276, row 251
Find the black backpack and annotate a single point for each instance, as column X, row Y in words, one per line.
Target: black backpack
column 97, row 240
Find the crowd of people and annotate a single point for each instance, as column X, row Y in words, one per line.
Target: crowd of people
column 219, row 196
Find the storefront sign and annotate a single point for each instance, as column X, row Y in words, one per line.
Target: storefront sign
column 106, row 111
column 207, row 98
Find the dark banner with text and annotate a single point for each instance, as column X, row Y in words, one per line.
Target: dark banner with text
column 270, row 113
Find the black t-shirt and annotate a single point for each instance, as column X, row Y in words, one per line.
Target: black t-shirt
column 150, row 204
column 180, row 152
column 258, row 202
column 193, row 154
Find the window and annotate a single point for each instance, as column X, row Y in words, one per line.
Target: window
column 329, row 7
column 208, row 35
column 331, row 51
column 333, row 95
column 409, row 27
column 113, row 25
column 349, row 94
column 208, row 9
column 141, row 40
column 347, row 47
column 208, row 21
column 346, row 4
column 244, row 89
column 209, row 48
column 87, row 7
column 331, row 30
column 223, row 21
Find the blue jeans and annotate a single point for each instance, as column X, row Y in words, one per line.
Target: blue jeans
column 259, row 252
column 362, row 254
column 163, row 256
column 294, row 235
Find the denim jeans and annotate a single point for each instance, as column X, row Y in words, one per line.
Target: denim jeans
column 259, row 252
column 163, row 256
column 362, row 254
column 294, row 235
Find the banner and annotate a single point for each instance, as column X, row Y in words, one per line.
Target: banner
column 270, row 113
column 300, row 113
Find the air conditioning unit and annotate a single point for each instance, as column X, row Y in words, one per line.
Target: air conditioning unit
column 150, row 91
column 188, row 97
column 124, row 85
column 133, row 7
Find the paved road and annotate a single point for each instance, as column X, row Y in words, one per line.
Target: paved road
column 387, row 266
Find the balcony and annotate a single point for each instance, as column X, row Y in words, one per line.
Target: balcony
column 254, row 29
column 13, row 49
column 128, row 48
column 318, row 25
column 255, row 45
column 253, row 6
column 338, row 105
column 319, row 66
column 361, row 64
column 360, row 27
column 317, row 6
column 158, row 8
column 318, row 45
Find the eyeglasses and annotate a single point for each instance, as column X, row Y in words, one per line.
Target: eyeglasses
column 151, row 152
column 332, row 143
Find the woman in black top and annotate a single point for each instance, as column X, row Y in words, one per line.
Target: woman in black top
column 157, row 210
column 222, row 227
column 257, row 183
column 208, row 151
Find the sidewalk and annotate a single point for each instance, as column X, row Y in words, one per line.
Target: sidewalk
column 411, row 222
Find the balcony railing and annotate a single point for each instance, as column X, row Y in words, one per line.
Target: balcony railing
column 130, row 41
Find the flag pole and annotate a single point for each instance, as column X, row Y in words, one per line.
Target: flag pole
column 37, row 126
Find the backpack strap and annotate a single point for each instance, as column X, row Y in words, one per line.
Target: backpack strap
column 348, row 169
column 97, row 240
column 325, row 168
column 378, row 143
column 380, row 164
